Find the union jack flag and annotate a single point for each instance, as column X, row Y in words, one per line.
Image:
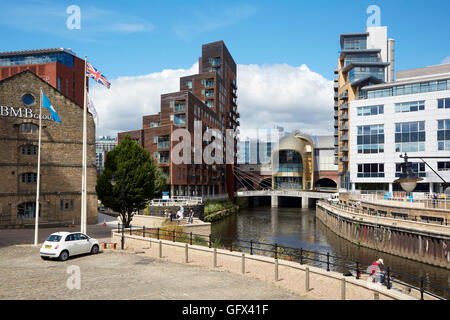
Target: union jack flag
column 91, row 72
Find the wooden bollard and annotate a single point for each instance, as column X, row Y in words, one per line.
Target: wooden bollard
column 186, row 253
column 307, row 279
column 215, row 257
column 243, row 263
column 343, row 289
column 160, row 249
column 376, row 295
column 276, row 269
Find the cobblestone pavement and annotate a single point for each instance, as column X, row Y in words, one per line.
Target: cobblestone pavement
column 122, row 275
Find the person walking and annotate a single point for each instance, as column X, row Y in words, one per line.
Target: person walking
column 191, row 216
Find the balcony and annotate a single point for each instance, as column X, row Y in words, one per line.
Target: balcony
column 209, row 93
column 336, row 123
column 344, row 96
column 336, row 104
column 344, row 127
column 344, row 117
column 344, row 137
column 335, row 114
column 343, row 106
column 344, row 149
column 233, row 84
column 343, row 159
column 209, row 83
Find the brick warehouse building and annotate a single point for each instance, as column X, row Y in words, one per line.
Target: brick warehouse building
column 210, row 97
column 61, row 155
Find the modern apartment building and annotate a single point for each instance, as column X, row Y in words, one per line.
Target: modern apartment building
column 209, row 97
column 59, row 67
column 366, row 58
column 103, row 145
column 410, row 115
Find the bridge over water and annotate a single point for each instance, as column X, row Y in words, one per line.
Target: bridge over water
column 305, row 195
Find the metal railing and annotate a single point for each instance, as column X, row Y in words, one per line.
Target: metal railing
column 176, row 201
column 418, row 200
column 359, row 210
column 300, row 255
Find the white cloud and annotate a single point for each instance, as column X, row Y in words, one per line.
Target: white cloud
column 446, row 60
column 288, row 96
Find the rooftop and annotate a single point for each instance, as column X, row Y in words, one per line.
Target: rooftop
column 437, row 70
column 36, row 52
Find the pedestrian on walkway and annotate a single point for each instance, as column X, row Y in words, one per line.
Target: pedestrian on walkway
column 191, row 216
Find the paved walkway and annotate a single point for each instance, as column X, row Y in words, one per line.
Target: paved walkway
column 123, row 275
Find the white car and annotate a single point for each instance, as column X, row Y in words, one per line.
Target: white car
column 62, row 245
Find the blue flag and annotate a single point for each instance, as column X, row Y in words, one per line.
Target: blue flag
column 47, row 104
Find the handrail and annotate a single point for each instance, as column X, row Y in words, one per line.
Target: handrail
column 277, row 250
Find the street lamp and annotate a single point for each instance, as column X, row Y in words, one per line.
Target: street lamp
column 408, row 179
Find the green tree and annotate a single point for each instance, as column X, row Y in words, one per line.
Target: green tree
column 128, row 181
column 160, row 181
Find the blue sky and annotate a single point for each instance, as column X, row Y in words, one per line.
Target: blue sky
column 168, row 34
column 286, row 51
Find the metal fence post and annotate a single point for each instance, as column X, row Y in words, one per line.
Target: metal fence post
column 276, row 251
column 157, row 233
column 421, row 288
column 343, row 289
column 307, row 279
column 276, row 269
column 123, row 237
column 130, row 230
column 143, row 231
column 328, row 261
column 209, row 244
column 191, row 239
column 301, row 255
column 173, row 235
column 388, row 271
column 358, row 272
column 251, row 247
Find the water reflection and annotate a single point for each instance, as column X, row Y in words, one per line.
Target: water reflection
column 299, row 228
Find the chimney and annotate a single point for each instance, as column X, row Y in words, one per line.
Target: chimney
column 391, row 53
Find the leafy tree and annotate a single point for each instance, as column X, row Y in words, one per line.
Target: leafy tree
column 134, row 177
column 160, row 181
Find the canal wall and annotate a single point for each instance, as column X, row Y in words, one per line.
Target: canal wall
column 308, row 281
column 422, row 242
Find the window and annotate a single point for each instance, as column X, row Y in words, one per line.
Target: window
column 429, row 86
column 189, row 84
column 28, row 128
column 154, row 124
column 29, row 149
column 180, row 119
column 29, row 177
column 370, row 110
column 59, row 84
column 179, row 106
column 417, row 167
column 410, row 106
column 27, row 99
column 371, row 170
column 370, row 139
column 27, row 210
column 443, row 135
column 444, row 166
column 155, row 139
column 66, row 204
column 355, row 43
column 410, row 136
column 444, row 103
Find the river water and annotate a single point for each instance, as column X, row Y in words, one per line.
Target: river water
column 299, row 228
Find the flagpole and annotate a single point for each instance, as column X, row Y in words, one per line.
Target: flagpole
column 36, row 221
column 84, row 176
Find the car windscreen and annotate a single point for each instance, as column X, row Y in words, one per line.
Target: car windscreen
column 54, row 238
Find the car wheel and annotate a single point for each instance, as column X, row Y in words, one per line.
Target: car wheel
column 94, row 249
column 44, row 258
column 64, row 256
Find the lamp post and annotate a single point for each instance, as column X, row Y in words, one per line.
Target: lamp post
column 408, row 178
